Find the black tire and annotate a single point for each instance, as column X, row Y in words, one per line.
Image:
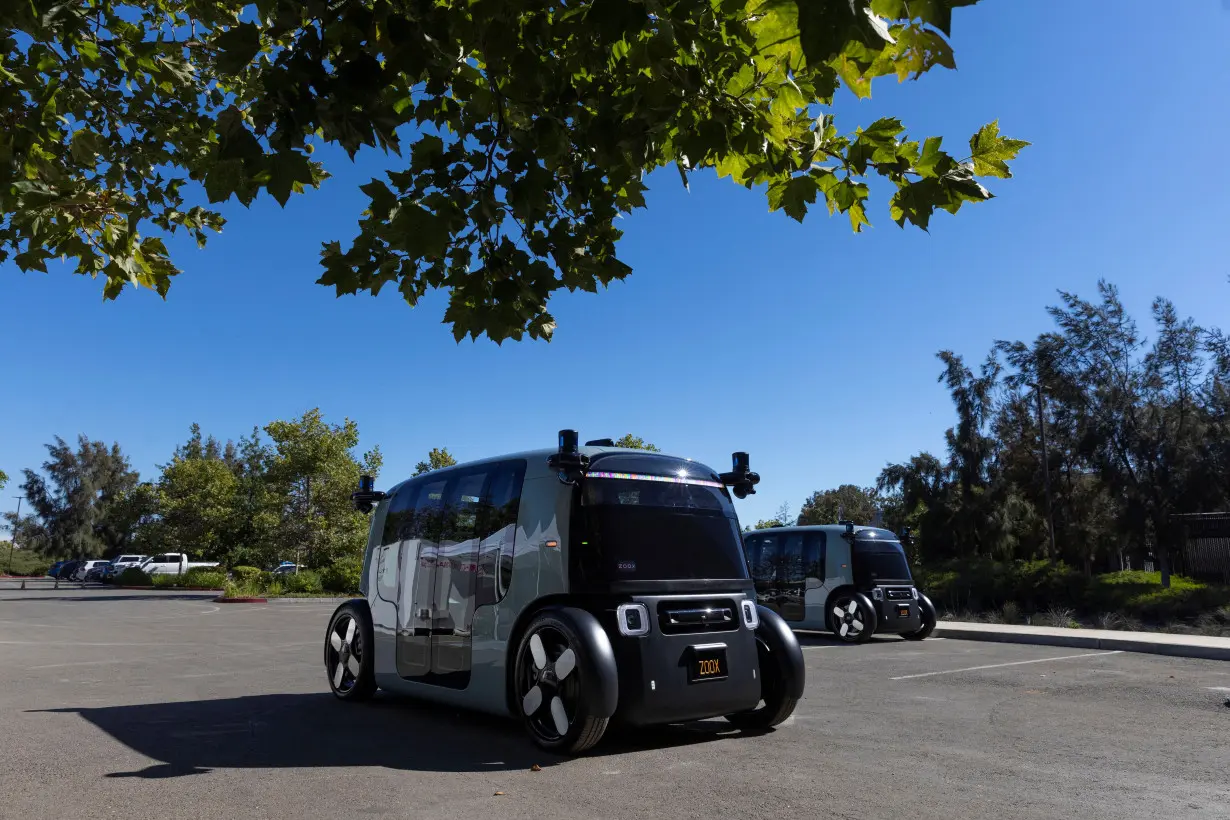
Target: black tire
column 783, row 675
column 928, row 620
column 349, row 652
column 858, row 620
column 546, row 642
column 775, row 704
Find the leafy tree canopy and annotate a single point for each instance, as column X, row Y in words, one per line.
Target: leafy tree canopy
column 437, row 459
column 77, row 504
column 848, row 503
column 523, row 129
column 635, row 443
column 4, row 479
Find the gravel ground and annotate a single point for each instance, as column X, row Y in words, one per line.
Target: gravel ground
column 167, row 705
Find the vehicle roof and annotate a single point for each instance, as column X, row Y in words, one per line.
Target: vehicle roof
column 539, row 457
column 862, row 531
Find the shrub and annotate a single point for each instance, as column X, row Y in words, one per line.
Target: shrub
column 205, row 577
column 303, row 581
column 342, row 577
column 244, row 575
column 167, row 581
column 134, row 577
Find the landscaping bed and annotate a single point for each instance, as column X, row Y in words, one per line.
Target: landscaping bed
column 1043, row 593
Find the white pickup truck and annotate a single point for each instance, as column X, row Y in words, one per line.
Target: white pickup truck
column 172, row 563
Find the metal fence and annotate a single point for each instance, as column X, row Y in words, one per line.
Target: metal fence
column 1206, row 545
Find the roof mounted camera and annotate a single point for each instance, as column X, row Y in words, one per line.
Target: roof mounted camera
column 367, row 496
column 569, row 463
column 741, row 479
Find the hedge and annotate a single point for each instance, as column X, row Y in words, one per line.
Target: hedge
column 982, row 585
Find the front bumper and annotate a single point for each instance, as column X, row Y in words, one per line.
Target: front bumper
column 897, row 616
column 654, row 685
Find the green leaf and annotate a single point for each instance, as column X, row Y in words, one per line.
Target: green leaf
column 238, row 45
column 288, row 171
column 793, row 195
column 383, row 200
column 990, row 152
column 422, row 234
column 223, row 179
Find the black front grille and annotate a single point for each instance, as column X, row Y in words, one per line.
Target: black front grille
column 898, row 594
column 697, row 616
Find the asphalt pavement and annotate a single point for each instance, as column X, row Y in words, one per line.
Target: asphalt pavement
column 168, row 705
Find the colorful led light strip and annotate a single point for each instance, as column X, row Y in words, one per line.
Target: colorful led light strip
column 666, row 478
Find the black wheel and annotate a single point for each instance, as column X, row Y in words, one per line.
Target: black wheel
column 928, row 620
column 775, row 704
column 851, row 617
column 348, row 653
column 549, row 684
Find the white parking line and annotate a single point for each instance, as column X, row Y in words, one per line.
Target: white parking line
column 1219, row 688
column 1013, row 663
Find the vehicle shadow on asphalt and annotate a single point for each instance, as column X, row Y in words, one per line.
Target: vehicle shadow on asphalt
column 318, row 731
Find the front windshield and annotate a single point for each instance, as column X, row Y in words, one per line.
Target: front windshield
column 657, row 528
column 879, row 562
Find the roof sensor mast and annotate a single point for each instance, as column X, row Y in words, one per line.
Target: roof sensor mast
column 569, row 463
column 741, row 479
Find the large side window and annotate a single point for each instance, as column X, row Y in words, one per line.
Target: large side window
column 455, row 557
column 496, row 529
column 398, row 525
column 813, row 556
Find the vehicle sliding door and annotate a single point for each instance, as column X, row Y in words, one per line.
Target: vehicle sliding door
column 764, row 558
column 456, row 579
column 419, row 551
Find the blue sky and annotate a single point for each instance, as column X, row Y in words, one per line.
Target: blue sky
column 809, row 346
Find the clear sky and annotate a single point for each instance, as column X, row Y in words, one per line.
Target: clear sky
column 806, row 345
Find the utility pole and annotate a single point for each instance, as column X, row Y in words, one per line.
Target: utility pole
column 308, row 518
column 13, row 540
column 1046, row 468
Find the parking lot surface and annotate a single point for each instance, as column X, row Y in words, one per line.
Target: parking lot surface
column 167, row 705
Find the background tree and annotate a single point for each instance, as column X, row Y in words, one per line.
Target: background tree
column 635, row 443
column 1135, row 432
column 312, row 471
column 847, row 502
column 197, row 497
column 4, row 479
column 77, row 508
column 528, row 129
column 437, row 459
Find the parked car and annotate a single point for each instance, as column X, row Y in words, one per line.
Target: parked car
column 96, row 571
column 123, row 562
column 286, row 568
column 83, row 570
column 55, row 568
column 65, row 573
column 172, row 563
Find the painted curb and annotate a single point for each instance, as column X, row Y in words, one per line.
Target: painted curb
column 221, row 600
column 1076, row 639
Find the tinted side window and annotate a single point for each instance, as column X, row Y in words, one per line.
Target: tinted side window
column 813, row 555
column 752, row 546
column 397, row 525
column 496, row 527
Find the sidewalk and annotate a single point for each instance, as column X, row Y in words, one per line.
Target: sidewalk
column 1156, row 643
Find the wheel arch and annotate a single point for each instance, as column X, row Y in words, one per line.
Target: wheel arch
column 783, row 647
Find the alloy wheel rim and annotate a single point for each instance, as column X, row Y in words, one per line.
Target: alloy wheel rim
column 345, row 654
column 848, row 619
column 549, row 684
